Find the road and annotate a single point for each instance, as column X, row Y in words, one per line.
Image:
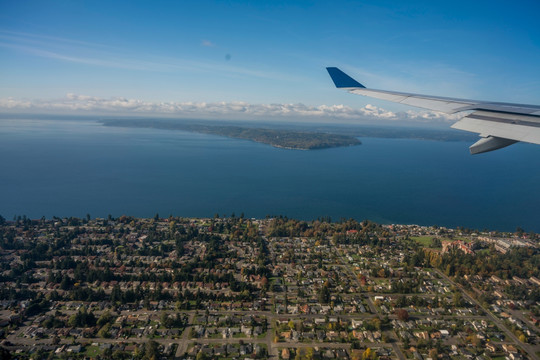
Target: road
column 526, row 347
column 372, row 307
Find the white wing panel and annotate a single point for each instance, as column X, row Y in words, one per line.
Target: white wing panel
column 394, row 97
column 446, row 105
column 508, row 126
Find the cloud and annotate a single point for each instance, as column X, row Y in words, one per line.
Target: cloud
column 99, row 55
column 75, row 103
column 207, row 43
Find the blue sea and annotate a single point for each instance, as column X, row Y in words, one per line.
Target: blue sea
column 77, row 167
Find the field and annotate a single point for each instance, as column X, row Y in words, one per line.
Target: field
column 423, row 240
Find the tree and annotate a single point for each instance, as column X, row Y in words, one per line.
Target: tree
column 401, row 301
column 324, row 294
column 291, row 324
column 106, row 317
column 165, row 320
column 104, row 331
column 402, row 314
column 457, row 299
column 376, row 322
column 82, row 318
column 368, row 354
column 151, row 350
column 66, row 283
column 435, row 243
column 406, row 342
column 304, row 353
column 201, row 356
column 474, row 340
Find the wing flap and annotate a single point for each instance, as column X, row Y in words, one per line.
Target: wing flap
column 508, row 126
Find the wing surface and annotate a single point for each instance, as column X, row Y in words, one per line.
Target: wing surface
column 499, row 124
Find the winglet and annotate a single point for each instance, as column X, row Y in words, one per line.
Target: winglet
column 342, row 80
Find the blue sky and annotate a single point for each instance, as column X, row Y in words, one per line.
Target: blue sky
column 261, row 58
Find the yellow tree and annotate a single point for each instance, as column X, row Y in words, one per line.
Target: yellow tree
column 304, row 353
column 367, row 354
column 291, row 324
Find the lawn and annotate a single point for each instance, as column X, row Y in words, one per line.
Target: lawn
column 423, row 240
column 92, row 351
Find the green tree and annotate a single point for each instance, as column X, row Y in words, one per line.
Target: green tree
column 104, row 332
column 151, row 350
column 304, row 353
column 201, row 356
column 435, row 243
column 106, row 317
column 324, row 294
column 457, row 299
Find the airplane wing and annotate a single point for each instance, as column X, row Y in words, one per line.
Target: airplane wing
column 499, row 124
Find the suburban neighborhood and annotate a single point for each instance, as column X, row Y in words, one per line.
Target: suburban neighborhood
column 238, row 288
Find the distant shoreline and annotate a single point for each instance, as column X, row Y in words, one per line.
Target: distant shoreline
column 283, row 139
column 294, row 136
column 381, row 130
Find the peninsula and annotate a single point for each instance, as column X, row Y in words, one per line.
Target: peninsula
column 298, row 140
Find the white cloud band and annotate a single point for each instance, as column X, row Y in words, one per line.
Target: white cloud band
column 73, row 103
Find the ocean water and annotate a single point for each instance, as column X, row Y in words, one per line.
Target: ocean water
column 73, row 168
